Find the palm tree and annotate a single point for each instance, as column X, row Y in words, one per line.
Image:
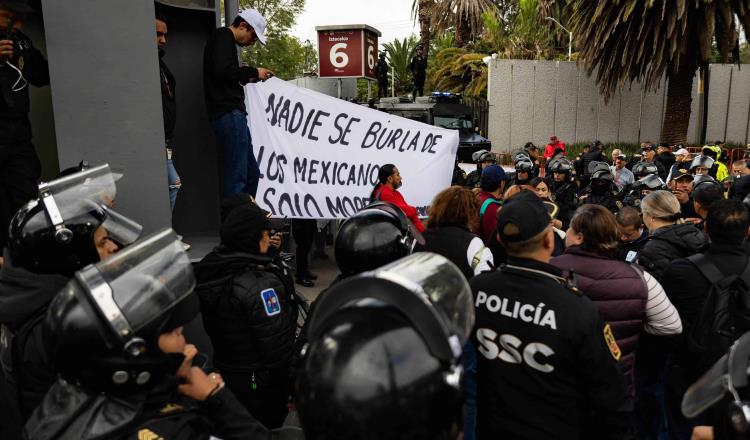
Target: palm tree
column 639, row 40
column 460, row 71
column 464, row 16
column 421, row 10
column 400, row 53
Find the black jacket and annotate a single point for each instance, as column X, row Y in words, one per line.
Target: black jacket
column 629, row 251
column 248, row 335
column 666, row 160
column 544, row 369
column 687, row 289
column 24, row 298
column 565, row 195
column 670, row 243
column 69, row 412
column 223, row 77
column 16, row 105
column 591, row 156
column 453, row 243
column 168, row 99
column 418, row 66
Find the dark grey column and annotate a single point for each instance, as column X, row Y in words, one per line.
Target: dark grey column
column 106, row 97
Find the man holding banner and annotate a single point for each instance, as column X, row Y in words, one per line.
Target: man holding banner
column 223, row 80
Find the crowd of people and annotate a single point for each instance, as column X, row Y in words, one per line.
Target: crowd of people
column 566, row 299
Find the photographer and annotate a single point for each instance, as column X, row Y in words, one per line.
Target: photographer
column 21, row 64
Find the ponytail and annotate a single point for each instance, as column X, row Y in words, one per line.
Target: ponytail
column 384, row 173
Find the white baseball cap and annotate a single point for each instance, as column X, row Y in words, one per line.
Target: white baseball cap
column 681, row 151
column 257, row 21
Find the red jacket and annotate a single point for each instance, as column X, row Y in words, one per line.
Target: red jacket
column 549, row 150
column 386, row 194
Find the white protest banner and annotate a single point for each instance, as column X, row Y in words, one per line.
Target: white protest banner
column 319, row 156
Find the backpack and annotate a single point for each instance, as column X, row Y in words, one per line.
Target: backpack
column 725, row 314
column 486, row 205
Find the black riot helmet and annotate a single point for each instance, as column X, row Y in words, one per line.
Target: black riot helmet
column 377, row 235
column 55, row 233
column 651, row 182
column 483, row 156
column 701, row 161
column 643, row 169
column 524, row 165
column 104, row 326
column 601, row 171
column 561, row 165
column 383, row 357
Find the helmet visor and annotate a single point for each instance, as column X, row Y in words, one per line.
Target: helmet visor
column 120, row 229
column 440, row 284
column 140, row 283
column 702, row 162
column 707, row 391
column 78, row 193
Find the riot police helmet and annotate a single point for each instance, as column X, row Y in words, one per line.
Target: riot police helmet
column 524, row 166
column 651, row 182
column 482, row 156
column 378, row 234
column 561, row 165
column 643, row 169
column 701, row 161
column 703, row 182
column 104, row 326
column 520, row 155
column 383, row 358
column 55, row 233
column 601, row 171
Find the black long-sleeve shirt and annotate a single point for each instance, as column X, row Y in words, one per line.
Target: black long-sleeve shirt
column 223, row 77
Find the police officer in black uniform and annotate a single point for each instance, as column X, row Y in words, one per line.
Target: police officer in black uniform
column 602, row 189
column 126, row 370
column 383, row 358
column 250, row 313
column 483, row 159
column 564, row 190
column 641, row 188
column 418, row 68
column 547, row 363
column 67, row 228
column 524, row 170
column 21, row 64
column 382, row 73
column 375, row 236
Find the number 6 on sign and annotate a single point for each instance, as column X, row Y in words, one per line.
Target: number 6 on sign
column 371, row 57
column 339, row 59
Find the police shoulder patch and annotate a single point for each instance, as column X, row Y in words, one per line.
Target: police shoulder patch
column 609, row 338
column 271, row 303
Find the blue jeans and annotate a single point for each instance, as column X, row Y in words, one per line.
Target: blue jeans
column 241, row 170
column 174, row 183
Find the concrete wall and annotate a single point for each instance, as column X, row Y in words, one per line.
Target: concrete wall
column 530, row 100
column 106, row 97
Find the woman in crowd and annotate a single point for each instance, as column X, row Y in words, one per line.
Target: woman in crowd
column 453, row 221
column 629, row 299
column 541, row 187
column 669, row 237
